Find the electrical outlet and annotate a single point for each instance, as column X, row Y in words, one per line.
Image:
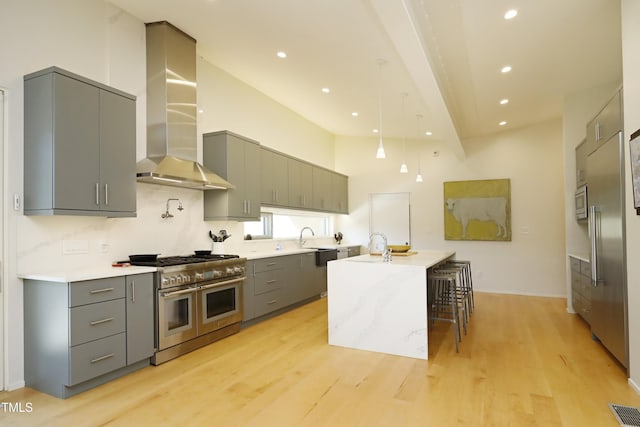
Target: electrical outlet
column 16, row 202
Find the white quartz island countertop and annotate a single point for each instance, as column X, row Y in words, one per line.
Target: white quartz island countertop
column 381, row 306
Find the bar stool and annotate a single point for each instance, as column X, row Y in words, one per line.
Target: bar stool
column 466, row 279
column 462, row 298
column 443, row 304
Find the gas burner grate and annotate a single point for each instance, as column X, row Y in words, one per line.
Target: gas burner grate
column 627, row 416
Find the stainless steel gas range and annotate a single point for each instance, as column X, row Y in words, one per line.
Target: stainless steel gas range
column 198, row 301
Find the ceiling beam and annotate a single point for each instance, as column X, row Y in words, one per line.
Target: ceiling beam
column 401, row 27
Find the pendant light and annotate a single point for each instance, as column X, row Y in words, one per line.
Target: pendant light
column 419, row 176
column 380, row 154
column 403, row 166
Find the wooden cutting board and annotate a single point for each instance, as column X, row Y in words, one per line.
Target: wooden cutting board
column 398, row 253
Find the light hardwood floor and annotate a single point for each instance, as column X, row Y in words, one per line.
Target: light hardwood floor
column 524, row 362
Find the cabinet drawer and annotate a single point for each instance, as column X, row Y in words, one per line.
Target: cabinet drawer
column 585, row 287
column 268, row 281
column 274, row 263
column 585, row 268
column 95, row 321
column 575, row 264
column 270, row 301
column 578, row 302
column 96, row 358
column 99, row 290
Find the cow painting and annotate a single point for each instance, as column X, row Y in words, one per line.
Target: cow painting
column 480, row 209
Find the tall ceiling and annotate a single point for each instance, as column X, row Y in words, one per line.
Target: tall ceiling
column 445, row 55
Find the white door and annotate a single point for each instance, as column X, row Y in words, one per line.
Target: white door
column 2, row 282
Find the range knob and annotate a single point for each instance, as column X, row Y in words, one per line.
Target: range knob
column 199, row 276
column 238, row 269
column 217, row 273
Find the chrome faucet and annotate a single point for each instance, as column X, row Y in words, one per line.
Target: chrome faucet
column 386, row 255
column 302, row 242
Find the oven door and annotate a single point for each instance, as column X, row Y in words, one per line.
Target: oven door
column 176, row 316
column 219, row 304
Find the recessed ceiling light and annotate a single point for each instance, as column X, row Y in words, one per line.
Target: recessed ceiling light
column 502, row 123
column 375, row 130
column 325, row 90
column 506, row 69
column 428, row 133
column 281, row 54
column 354, row 114
column 504, row 101
column 510, row 14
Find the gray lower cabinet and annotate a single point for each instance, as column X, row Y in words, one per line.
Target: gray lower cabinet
column 277, row 282
column 82, row 334
column 140, row 322
column 79, row 146
column 581, row 287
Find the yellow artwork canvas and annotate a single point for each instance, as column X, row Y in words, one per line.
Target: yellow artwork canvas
column 477, row 210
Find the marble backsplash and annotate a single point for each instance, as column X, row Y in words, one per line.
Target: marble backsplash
column 66, row 242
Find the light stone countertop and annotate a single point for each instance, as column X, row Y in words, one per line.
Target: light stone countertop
column 86, row 273
column 581, row 256
column 423, row 258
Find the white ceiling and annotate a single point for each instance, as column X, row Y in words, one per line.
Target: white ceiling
column 445, row 55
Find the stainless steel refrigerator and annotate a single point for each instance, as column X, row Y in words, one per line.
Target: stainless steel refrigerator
column 605, row 180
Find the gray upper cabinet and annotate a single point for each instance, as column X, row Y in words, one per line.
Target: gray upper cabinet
column 605, row 124
column 275, row 178
column 330, row 191
column 236, row 159
column 79, row 146
column 340, row 188
column 322, row 192
column 300, row 184
column 581, row 164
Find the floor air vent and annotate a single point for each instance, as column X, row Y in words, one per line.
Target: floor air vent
column 626, row 415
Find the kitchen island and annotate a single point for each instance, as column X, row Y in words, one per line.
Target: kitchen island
column 381, row 306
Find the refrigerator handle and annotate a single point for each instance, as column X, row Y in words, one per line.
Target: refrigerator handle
column 594, row 245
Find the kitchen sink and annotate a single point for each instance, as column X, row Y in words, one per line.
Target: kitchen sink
column 325, row 254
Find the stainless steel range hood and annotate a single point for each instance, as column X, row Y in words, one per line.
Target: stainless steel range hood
column 171, row 113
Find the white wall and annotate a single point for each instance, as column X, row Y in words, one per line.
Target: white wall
column 95, row 39
column 631, row 73
column 533, row 262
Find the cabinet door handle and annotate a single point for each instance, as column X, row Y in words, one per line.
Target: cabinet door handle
column 272, row 264
column 101, row 358
column 97, row 194
column 106, row 194
column 597, row 131
column 269, row 282
column 273, row 301
column 133, row 291
column 99, row 291
column 99, row 322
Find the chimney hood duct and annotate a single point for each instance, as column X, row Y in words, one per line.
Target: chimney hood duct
column 171, row 113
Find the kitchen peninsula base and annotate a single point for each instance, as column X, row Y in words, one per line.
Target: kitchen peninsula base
column 381, row 307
